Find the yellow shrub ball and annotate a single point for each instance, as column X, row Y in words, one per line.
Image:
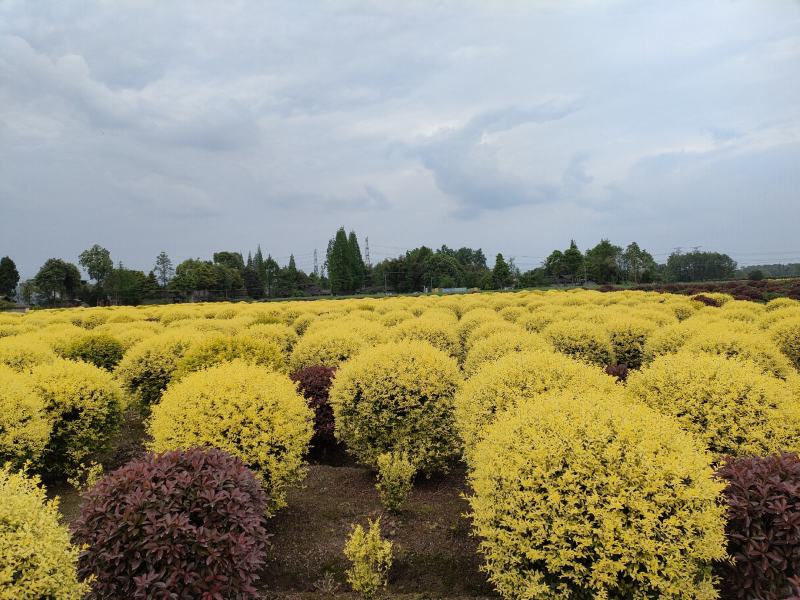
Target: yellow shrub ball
column 218, row 348
column 439, row 334
column 628, row 337
column 728, row 404
column 582, row 341
column 398, row 397
column 24, row 425
column 525, row 375
column 37, row 560
column 282, row 335
column 242, row 409
column 329, row 347
column 730, row 344
column 581, row 495
column 21, row 352
column 786, row 335
column 497, row 345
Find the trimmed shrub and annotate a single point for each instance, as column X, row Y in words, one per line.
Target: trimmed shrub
column 579, row 495
column 314, row 383
column 190, row 524
column 786, row 334
column 251, row 413
column 330, row 348
column 755, row 348
column 398, row 397
column 37, row 560
column 524, row 375
column 216, row 349
column 370, row 557
column 395, row 475
column 283, row 335
column 84, row 403
column 628, row 338
column 148, row 367
column 100, row 349
column 497, row 345
column 24, row 425
column 439, row 334
column 583, row 341
column 763, row 497
column 728, row 404
column 21, row 352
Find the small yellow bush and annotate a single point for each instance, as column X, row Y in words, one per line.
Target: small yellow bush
column 21, row 352
column 329, row 348
column 37, row 560
column 242, row 409
column 398, row 397
column 148, row 367
column 100, row 349
column 728, row 404
column 24, row 426
column 730, row 344
column 84, row 403
column 786, row 334
column 523, row 375
column 395, row 475
column 283, row 335
column 490, row 328
column 497, row 345
column 370, row 557
column 217, row 348
column 579, row 495
column 439, row 334
column 581, row 340
column 628, row 337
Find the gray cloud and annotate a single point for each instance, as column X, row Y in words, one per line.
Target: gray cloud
column 195, row 126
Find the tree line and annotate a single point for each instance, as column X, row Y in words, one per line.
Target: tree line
column 228, row 275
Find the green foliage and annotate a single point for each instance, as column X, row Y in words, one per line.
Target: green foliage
column 501, row 274
column 699, row 266
column 57, row 280
column 370, row 557
column 346, row 269
column 395, row 475
column 97, row 262
column 37, row 561
column 9, row 277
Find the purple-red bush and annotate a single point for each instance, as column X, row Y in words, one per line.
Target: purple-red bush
column 763, row 528
column 183, row 524
column 619, row 370
column 314, row 383
column 707, row 301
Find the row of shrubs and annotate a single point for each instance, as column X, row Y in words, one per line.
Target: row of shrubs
column 639, row 457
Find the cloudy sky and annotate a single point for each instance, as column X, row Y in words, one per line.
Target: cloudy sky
column 513, row 126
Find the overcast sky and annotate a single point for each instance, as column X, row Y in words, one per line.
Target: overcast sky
column 512, row 126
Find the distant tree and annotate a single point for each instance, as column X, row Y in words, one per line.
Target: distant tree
column 555, row 265
column 340, row 265
column 97, row 263
column 232, row 260
column 501, row 274
column 151, row 287
column 57, row 280
column 755, row 275
column 637, row 264
column 252, row 282
column 9, row 277
column 533, row 278
column 603, row 262
column 573, row 262
column 699, row 266
column 126, row 286
column 271, row 271
column 164, row 270
column 358, row 269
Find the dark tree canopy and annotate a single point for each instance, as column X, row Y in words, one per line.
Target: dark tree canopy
column 9, row 276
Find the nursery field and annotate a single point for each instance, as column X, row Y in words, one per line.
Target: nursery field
column 541, row 444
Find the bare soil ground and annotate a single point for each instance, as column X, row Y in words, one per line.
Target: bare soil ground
column 434, row 554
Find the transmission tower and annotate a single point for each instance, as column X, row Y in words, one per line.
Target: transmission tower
column 366, row 253
column 316, row 264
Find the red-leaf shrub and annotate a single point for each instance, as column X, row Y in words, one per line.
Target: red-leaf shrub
column 619, row 370
column 314, row 383
column 183, row 524
column 763, row 527
column 706, row 300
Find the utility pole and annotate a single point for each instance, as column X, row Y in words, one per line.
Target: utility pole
column 385, row 287
column 316, row 265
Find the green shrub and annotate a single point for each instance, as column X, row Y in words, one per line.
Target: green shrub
column 578, row 495
column 398, row 396
column 37, row 561
column 395, row 475
column 370, row 557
